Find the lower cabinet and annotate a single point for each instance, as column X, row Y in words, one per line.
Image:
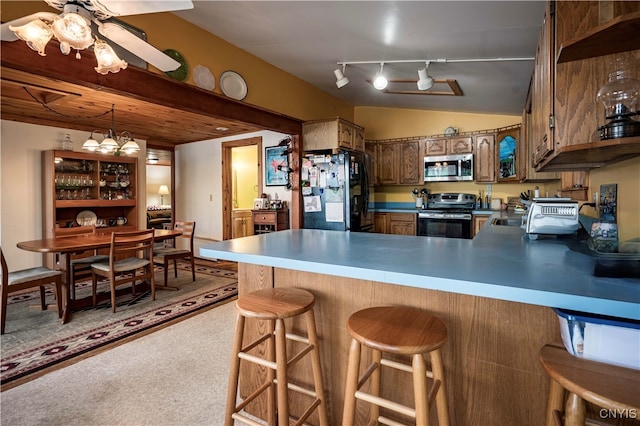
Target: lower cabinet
column 395, row 223
column 478, row 221
column 265, row 221
column 242, row 223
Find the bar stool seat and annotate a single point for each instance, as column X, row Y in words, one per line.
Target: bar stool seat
column 402, row 331
column 275, row 305
column 608, row 386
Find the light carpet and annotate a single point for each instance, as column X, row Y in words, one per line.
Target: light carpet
column 175, row 376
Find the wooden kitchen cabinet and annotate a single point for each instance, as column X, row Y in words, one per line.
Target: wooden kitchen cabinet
column 395, row 223
column 73, row 194
column 265, row 221
column 332, row 134
column 371, row 148
column 572, row 63
column 241, row 223
column 402, row 223
column 525, row 168
column 478, row 221
column 485, row 158
column 448, row 146
column 398, row 162
column 381, row 223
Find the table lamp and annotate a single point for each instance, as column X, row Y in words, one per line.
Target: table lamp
column 164, row 190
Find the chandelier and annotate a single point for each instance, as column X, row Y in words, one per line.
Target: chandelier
column 73, row 30
column 112, row 143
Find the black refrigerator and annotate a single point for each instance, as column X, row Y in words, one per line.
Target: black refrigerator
column 336, row 190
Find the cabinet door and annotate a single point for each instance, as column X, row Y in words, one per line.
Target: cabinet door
column 388, row 163
column 435, row 147
column 478, row 221
column 485, row 158
column 402, row 223
column 371, row 148
column 410, row 171
column 345, row 135
column 381, row 223
column 358, row 140
column 463, row 145
column 542, row 95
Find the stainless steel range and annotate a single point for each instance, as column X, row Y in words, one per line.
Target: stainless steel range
column 447, row 215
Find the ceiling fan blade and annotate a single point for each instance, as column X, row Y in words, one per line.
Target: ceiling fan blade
column 129, row 7
column 7, row 35
column 137, row 46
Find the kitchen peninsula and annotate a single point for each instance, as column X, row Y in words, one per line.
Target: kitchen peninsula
column 494, row 293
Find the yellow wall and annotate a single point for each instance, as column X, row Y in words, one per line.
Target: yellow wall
column 245, row 185
column 391, row 123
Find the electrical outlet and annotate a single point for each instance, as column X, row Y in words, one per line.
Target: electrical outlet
column 489, row 189
column 210, row 197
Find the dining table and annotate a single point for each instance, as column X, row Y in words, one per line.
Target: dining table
column 67, row 245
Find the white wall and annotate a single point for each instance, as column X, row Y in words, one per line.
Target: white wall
column 21, row 185
column 198, row 193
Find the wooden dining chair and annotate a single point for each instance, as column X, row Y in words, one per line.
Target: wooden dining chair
column 28, row 278
column 163, row 256
column 129, row 253
column 80, row 262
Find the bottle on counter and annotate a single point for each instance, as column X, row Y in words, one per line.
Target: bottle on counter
column 479, row 201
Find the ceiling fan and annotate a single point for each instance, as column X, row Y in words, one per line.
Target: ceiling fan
column 72, row 28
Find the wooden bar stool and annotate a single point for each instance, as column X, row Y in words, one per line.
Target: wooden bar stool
column 275, row 305
column 396, row 330
column 614, row 389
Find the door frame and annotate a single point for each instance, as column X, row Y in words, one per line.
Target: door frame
column 227, row 179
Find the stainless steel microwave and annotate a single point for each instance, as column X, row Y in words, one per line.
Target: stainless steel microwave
column 448, row 168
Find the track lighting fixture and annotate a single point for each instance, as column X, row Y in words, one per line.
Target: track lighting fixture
column 341, row 80
column 424, row 81
column 380, row 82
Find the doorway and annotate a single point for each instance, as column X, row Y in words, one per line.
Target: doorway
column 159, row 168
column 241, row 183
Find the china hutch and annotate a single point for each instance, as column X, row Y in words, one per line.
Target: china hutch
column 81, row 189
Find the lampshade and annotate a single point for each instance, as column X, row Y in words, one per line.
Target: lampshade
column 164, row 190
column 36, row 33
column 91, row 144
column 73, row 31
column 424, row 81
column 109, row 144
column 341, row 80
column 380, row 82
column 107, row 59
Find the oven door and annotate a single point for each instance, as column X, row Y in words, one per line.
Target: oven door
column 457, row 225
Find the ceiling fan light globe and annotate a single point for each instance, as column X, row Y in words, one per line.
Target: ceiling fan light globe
column 108, row 60
column 36, row 34
column 73, row 29
column 380, row 82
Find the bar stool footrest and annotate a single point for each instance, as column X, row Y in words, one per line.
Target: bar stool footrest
column 383, row 402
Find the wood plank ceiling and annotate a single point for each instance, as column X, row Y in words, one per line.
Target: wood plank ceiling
column 59, row 92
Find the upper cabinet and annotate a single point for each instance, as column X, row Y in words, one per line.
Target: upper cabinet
column 396, row 162
column 448, row 146
column 332, row 134
column 485, row 158
column 578, row 43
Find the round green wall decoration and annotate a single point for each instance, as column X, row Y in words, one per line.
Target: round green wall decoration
column 182, row 71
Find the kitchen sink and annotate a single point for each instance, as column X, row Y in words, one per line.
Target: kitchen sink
column 506, row 222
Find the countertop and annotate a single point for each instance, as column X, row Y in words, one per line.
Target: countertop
column 500, row 262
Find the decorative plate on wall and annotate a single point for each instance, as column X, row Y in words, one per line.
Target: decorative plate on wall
column 182, row 71
column 233, row 85
column 203, row 77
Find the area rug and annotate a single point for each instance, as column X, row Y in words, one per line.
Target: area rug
column 35, row 341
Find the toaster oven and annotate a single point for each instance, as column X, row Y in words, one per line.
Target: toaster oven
column 554, row 216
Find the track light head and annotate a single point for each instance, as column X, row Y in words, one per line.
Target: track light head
column 424, row 81
column 341, row 80
column 380, row 82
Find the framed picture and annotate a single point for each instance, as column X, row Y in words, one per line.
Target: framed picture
column 276, row 166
